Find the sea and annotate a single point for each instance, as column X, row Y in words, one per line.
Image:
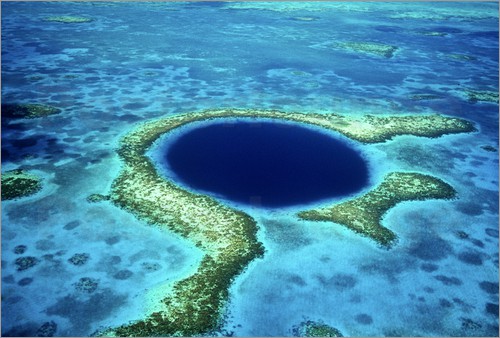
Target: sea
column 74, row 268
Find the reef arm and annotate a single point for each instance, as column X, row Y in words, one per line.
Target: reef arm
column 227, row 238
column 364, row 214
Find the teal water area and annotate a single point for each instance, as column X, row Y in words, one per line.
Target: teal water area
column 71, row 267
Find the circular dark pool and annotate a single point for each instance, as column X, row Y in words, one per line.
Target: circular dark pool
column 268, row 164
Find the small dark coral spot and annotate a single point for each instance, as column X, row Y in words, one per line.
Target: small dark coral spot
column 25, row 281
column 492, row 309
column 492, row 232
column 87, row 284
column 112, row 240
column 448, row 280
column 48, row 329
column 123, row 274
column 71, row 225
column 489, row 287
column 363, row 318
column 445, row 303
column 151, row 267
column 27, row 262
column 470, row 257
column 79, row 259
column 429, row 267
column 20, row 249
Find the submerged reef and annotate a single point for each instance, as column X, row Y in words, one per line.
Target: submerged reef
column 482, row 95
column 226, row 236
column 364, row 214
column 27, row 110
column 371, row 48
column 315, row 329
column 461, row 57
column 424, row 97
column 19, row 183
column 68, row 19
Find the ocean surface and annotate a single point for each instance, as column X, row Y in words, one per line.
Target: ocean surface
column 71, row 268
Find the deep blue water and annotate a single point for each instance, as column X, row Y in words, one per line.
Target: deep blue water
column 267, row 163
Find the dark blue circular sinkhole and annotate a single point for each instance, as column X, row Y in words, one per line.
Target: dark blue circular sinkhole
column 268, row 164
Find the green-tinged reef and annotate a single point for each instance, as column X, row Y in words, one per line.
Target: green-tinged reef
column 364, row 214
column 19, row 183
column 311, row 328
column 371, row 48
column 227, row 237
column 424, row 97
column 95, row 198
column 27, row 110
column 68, row 19
column 482, row 95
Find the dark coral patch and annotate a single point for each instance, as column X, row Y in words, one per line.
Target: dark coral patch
column 24, row 263
column 79, row 259
column 489, row 287
column 470, row 257
column 19, row 183
column 27, row 111
column 448, row 280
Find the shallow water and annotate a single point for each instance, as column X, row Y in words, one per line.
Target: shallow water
column 139, row 61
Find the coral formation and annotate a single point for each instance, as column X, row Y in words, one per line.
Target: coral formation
column 27, row 110
column 227, row 237
column 68, row 19
column 48, row 329
column 482, row 95
column 489, row 148
column 20, row 249
column 79, row 259
column 95, row 198
column 24, row 263
column 371, row 48
column 87, row 284
column 461, row 57
column 315, row 329
column 19, row 183
column 422, row 97
column 364, row 214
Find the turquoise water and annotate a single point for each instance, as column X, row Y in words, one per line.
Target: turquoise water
column 139, row 61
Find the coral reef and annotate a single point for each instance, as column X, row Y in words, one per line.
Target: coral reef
column 364, row 214
column 422, row 97
column 371, row 48
column 315, row 329
column 20, row 249
column 461, row 57
column 24, row 263
column 68, row 19
column 87, row 284
column 227, row 237
column 79, row 259
column 19, row 183
column 27, row 110
column 95, row 198
column 48, row 329
column 481, row 95
column 489, row 148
